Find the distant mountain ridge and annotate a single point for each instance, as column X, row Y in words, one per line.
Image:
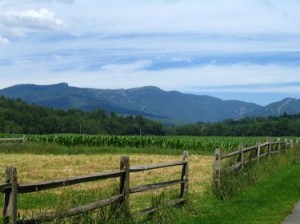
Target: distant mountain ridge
column 288, row 106
column 149, row 101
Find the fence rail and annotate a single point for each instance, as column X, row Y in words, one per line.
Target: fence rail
column 12, row 189
column 23, row 139
column 29, row 188
column 244, row 156
column 155, row 166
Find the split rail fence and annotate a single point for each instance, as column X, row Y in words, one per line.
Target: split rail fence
column 12, row 189
column 23, row 139
column 237, row 160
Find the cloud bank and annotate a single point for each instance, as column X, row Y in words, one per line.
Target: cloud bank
column 206, row 47
column 31, row 19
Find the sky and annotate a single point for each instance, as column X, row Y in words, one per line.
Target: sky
column 235, row 49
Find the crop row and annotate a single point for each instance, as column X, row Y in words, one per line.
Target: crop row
column 163, row 142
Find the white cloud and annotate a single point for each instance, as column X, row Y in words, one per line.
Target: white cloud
column 186, row 79
column 31, row 19
column 63, row 1
column 111, row 33
column 3, row 40
column 118, row 16
column 202, row 78
column 210, row 79
column 125, row 68
column 215, row 16
column 255, row 89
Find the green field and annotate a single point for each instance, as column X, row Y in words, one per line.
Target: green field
column 48, row 157
column 157, row 144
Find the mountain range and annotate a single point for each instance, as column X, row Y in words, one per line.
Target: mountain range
column 166, row 106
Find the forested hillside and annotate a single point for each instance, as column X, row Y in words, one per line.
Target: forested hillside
column 170, row 107
column 286, row 125
column 19, row 117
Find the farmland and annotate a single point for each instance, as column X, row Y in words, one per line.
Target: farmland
column 34, row 168
column 167, row 144
column 48, row 157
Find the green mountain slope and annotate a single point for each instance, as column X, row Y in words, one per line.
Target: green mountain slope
column 148, row 101
column 285, row 106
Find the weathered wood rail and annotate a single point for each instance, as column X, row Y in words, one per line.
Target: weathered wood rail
column 22, row 140
column 238, row 159
column 11, row 190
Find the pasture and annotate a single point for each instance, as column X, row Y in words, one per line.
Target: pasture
column 37, row 167
column 40, row 160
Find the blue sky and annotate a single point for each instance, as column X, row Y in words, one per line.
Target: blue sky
column 234, row 49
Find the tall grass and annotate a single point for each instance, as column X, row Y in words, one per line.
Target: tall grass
column 269, row 202
column 245, row 195
column 57, row 149
column 58, row 201
column 263, row 193
column 232, row 183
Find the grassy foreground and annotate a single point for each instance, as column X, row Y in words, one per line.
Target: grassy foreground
column 274, row 191
column 33, row 168
column 270, row 201
column 265, row 193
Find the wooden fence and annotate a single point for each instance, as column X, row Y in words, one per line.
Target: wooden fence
column 12, row 189
column 23, row 139
column 243, row 156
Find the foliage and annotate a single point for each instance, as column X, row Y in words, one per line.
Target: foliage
column 157, row 144
column 19, row 117
column 286, row 125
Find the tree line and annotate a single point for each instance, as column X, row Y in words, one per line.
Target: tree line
column 285, row 125
column 18, row 117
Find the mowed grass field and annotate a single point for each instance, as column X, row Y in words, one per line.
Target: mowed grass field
column 38, row 162
column 33, row 168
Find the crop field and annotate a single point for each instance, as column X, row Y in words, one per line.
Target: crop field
column 195, row 144
column 51, row 157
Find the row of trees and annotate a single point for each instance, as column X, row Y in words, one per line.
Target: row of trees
column 19, row 117
column 286, row 125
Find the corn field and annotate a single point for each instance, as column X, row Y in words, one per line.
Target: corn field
column 162, row 142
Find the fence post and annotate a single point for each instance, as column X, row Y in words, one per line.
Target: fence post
column 269, row 149
column 258, row 152
column 279, row 145
column 124, row 184
column 11, row 197
column 285, row 145
column 292, row 144
column 24, row 139
column 218, row 167
column 185, row 175
column 241, row 159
